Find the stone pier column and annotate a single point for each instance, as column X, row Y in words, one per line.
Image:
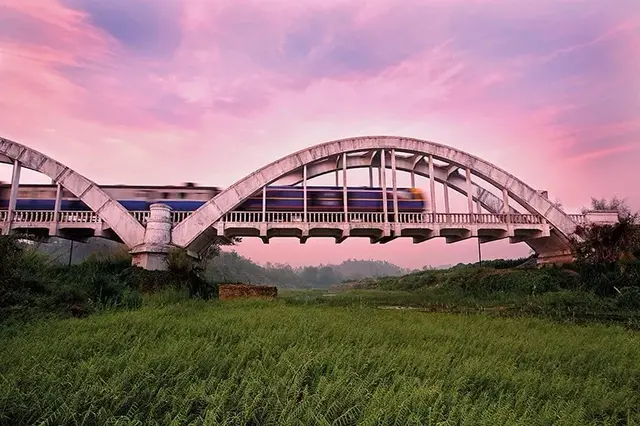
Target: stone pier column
column 152, row 254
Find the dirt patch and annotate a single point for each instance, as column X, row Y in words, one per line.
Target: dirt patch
column 236, row 291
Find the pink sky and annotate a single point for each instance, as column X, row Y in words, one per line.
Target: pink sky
column 163, row 92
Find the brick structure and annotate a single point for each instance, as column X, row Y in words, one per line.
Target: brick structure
column 235, row 291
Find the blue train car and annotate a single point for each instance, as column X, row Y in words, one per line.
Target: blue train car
column 278, row 198
column 331, row 198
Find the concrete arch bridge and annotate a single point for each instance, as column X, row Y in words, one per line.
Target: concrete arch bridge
column 498, row 205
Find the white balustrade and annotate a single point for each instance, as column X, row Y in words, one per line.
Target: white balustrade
column 244, row 217
column 365, row 217
column 579, row 219
column 143, row 215
column 33, row 216
column 362, row 217
column 179, row 216
column 78, row 217
column 140, row 215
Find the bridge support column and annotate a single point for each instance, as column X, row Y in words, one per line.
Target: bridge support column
column 13, row 196
column 152, row 254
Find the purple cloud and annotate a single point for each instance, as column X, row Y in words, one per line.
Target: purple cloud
column 145, row 28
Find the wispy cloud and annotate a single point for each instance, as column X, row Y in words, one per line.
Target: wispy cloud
column 209, row 91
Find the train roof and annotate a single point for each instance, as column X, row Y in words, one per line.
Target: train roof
column 157, row 187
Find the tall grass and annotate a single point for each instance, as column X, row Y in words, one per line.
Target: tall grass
column 256, row 362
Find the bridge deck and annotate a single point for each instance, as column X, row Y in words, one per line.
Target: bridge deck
column 419, row 226
column 24, row 217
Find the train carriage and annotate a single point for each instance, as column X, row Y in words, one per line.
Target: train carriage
column 331, row 198
column 190, row 197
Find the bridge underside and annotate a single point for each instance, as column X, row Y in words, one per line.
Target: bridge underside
column 381, row 233
column 69, row 231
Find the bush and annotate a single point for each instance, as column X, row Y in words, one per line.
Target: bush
column 629, row 298
column 31, row 286
column 605, row 279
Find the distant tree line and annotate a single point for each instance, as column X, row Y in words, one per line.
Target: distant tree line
column 231, row 267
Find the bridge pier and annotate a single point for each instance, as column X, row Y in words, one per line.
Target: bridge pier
column 153, row 253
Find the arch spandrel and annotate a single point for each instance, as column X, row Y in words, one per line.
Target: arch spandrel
column 456, row 182
column 130, row 231
column 186, row 232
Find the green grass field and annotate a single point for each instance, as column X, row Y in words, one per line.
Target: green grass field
column 260, row 362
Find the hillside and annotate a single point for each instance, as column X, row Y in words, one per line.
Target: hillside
column 231, row 267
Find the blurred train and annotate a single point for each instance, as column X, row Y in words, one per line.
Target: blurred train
column 190, row 197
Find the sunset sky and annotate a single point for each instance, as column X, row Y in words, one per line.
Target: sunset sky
column 169, row 91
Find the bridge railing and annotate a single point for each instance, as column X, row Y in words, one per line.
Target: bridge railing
column 39, row 216
column 356, row 217
column 578, row 219
column 46, row 216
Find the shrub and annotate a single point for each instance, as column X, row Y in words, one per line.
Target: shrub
column 31, row 286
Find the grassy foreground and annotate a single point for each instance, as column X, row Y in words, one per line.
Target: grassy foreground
column 251, row 362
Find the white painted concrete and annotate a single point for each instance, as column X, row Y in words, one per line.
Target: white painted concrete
column 130, row 231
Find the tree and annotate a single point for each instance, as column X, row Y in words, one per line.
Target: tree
column 615, row 204
column 605, row 243
column 190, row 271
column 608, row 243
column 214, row 249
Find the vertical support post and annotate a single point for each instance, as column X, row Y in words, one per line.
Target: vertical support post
column 337, row 180
column 344, row 186
column 413, row 179
column 394, row 183
column 304, row 191
column 447, row 209
column 13, row 194
column 264, row 203
column 56, row 208
column 505, row 204
column 383, row 184
column 478, row 210
column 380, row 176
column 370, row 176
column 469, row 193
column 432, row 185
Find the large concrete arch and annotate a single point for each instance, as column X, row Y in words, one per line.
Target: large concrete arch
column 455, row 181
column 194, row 231
column 130, row 231
column 555, row 245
